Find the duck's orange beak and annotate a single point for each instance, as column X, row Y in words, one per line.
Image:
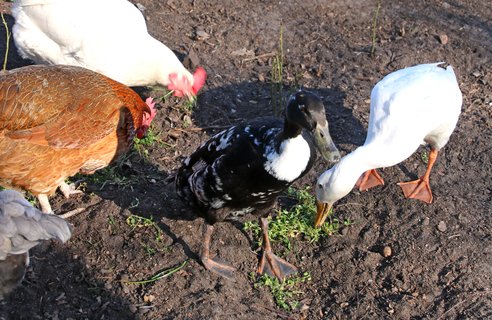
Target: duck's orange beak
column 323, row 210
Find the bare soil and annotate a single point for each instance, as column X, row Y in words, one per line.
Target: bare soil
column 441, row 261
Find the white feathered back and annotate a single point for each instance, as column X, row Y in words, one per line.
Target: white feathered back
column 109, row 37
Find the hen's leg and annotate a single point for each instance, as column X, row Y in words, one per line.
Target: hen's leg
column 44, row 203
column 369, row 179
column 68, row 189
column 420, row 188
column 270, row 263
column 213, row 265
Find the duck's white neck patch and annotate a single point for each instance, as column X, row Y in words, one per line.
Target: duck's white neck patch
column 290, row 161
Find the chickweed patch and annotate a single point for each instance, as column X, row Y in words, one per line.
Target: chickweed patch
column 142, row 145
column 284, row 292
column 297, row 222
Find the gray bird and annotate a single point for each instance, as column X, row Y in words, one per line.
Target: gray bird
column 22, row 227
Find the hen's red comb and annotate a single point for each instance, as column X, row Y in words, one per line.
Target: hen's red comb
column 147, row 118
column 199, row 79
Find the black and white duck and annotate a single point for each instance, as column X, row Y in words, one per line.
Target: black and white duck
column 245, row 168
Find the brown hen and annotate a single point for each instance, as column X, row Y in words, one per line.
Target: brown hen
column 56, row 121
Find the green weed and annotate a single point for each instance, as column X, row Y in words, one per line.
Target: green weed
column 277, row 76
column 284, row 292
column 141, row 145
column 374, row 27
column 189, row 105
column 150, row 247
column 112, row 224
column 161, row 274
column 108, row 175
column 297, row 222
column 424, row 157
column 135, row 221
column 161, row 94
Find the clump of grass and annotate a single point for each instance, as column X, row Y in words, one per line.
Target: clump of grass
column 374, row 27
column 141, row 145
column 189, row 105
column 284, row 292
column 107, row 175
column 296, row 222
column 162, row 94
column 277, row 76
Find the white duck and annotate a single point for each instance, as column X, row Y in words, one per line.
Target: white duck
column 409, row 107
column 109, row 37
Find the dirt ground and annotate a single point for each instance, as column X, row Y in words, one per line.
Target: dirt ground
column 441, row 262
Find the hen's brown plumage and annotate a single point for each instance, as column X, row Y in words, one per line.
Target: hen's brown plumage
column 56, row 121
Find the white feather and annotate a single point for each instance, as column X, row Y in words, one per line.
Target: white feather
column 290, row 161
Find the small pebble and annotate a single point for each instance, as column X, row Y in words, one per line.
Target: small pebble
column 442, row 226
column 477, row 74
column 343, row 231
column 133, row 308
column 444, row 39
column 426, row 221
column 387, row 251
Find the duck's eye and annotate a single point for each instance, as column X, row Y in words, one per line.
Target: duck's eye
column 304, row 109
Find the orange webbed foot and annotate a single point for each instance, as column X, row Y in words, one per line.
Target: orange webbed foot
column 275, row 266
column 221, row 268
column 417, row 189
column 369, row 179
column 270, row 263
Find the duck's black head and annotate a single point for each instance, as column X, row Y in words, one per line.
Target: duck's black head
column 305, row 110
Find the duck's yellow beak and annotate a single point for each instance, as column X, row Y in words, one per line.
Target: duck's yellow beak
column 323, row 209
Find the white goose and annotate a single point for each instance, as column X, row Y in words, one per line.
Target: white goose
column 109, row 37
column 409, row 107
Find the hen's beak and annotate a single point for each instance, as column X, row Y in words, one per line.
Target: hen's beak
column 325, row 144
column 323, row 209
